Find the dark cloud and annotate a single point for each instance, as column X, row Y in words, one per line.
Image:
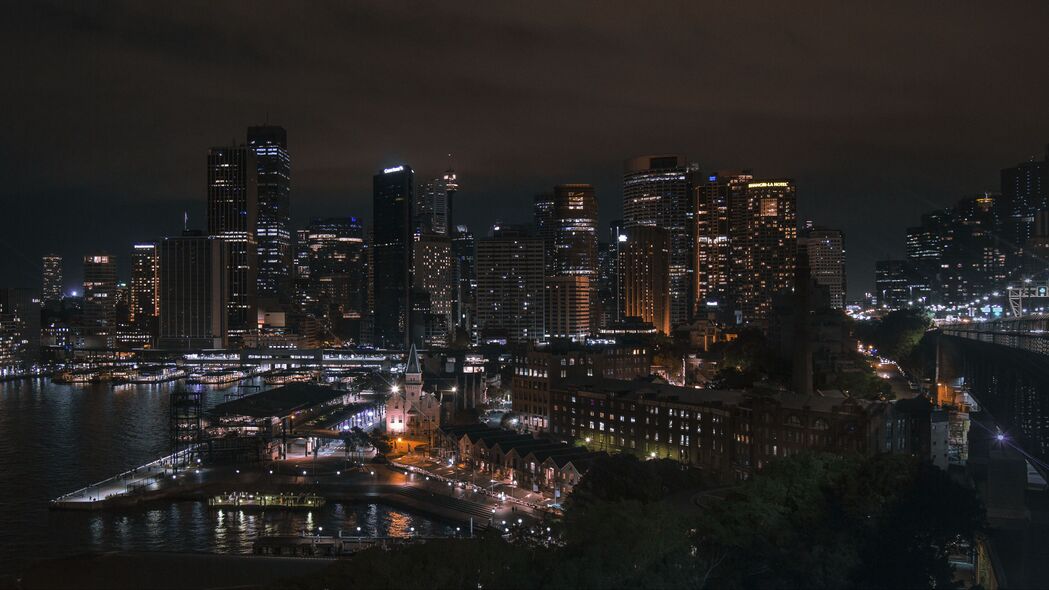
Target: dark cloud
column 879, row 110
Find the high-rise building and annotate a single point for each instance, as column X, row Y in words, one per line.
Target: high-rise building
column 567, row 307
column 338, row 274
column 433, row 208
column 644, row 275
column 510, row 285
column 543, row 212
column 464, row 252
column 713, row 260
column 763, row 232
column 100, row 300
column 393, row 198
column 574, row 231
column 193, row 289
column 232, row 215
column 434, row 274
column 52, row 278
column 657, row 191
column 144, row 303
column 273, row 225
column 19, row 329
column 302, row 268
column 897, row 284
column 1025, row 191
column 825, row 249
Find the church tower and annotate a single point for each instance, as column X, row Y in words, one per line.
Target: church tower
column 413, row 377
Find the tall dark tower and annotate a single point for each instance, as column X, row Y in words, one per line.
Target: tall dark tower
column 273, row 226
column 393, row 197
column 657, row 191
column 232, row 215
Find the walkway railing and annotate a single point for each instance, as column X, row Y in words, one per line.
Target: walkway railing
column 158, row 466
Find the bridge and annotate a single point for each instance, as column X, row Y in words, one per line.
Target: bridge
column 1029, row 332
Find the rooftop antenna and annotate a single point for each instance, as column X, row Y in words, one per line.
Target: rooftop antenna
column 185, row 221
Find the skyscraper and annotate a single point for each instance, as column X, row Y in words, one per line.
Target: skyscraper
column 338, row 273
column 657, row 191
column 574, row 231
column 644, row 275
column 825, row 249
column 713, row 246
column 193, row 289
column 232, row 215
column 144, row 306
column 433, row 208
column 464, row 251
column 51, row 278
column 510, row 285
column 273, row 226
column 393, row 197
column 543, row 212
column 764, row 235
column 100, row 300
column 567, row 307
column 434, row 274
column 19, row 329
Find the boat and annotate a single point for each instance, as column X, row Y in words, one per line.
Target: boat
column 157, row 375
column 217, row 377
column 283, row 377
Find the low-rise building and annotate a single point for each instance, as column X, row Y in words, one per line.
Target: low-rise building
column 539, row 369
column 727, row 433
column 410, row 411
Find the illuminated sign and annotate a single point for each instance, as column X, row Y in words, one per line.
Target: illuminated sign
column 392, row 170
column 767, row 184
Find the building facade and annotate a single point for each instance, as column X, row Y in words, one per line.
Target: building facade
column 410, row 411
column 644, row 276
column 567, row 307
column 393, row 197
column 764, row 236
column 232, row 217
column 193, row 275
column 826, row 257
column 713, row 259
column 510, row 283
column 100, row 300
column 657, row 191
column 273, row 235
column 51, row 287
column 144, row 303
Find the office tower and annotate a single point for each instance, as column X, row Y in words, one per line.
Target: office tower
column 338, row 273
column 657, row 191
column 393, row 197
column 52, row 278
column 574, row 229
column 232, row 215
column 1036, row 252
column 1025, row 191
column 975, row 258
column 510, row 294
column 302, row 268
column 644, row 275
column 19, row 329
column 543, row 213
column 464, row 252
column 763, row 231
column 434, row 274
column 273, row 225
column 193, row 289
column 898, row 285
column 100, row 300
column 144, row 302
column 713, row 246
column 603, row 307
column 567, row 307
column 825, row 254
column 433, row 207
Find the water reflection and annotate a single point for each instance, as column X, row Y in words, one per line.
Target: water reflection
column 60, row 437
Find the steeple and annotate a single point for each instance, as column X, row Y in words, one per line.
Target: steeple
column 413, row 366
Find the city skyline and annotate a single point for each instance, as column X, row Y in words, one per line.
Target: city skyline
column 844, row 139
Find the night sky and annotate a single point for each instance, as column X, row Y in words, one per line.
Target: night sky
column 880, row 110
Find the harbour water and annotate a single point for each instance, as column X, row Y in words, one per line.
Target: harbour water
column 57, row 438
